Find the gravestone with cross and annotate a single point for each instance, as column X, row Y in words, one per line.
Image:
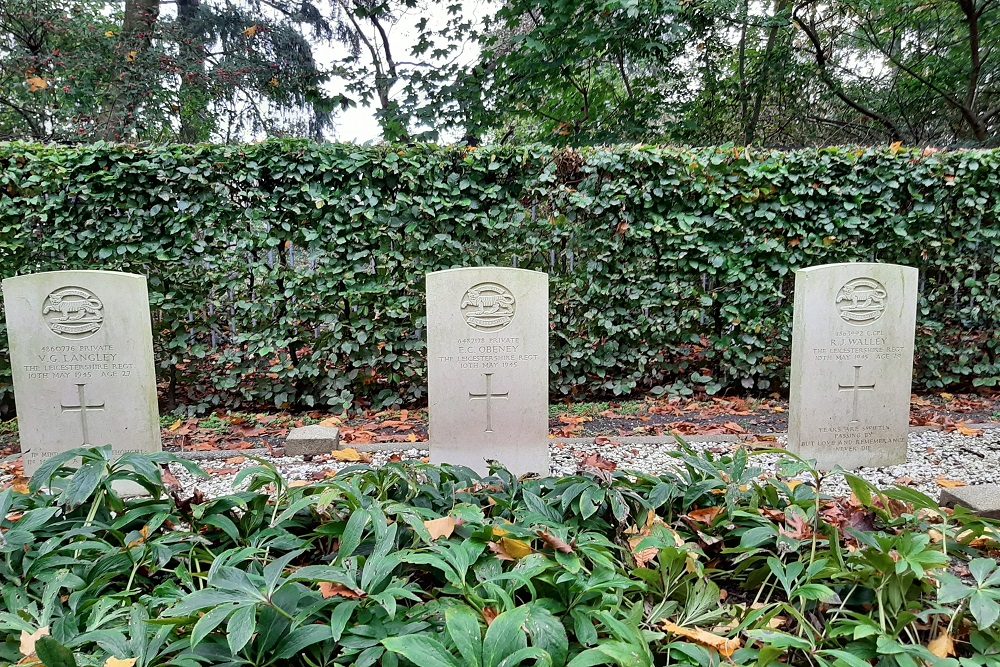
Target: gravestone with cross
column 81, row 353
column 487, row 367
column 852, row 363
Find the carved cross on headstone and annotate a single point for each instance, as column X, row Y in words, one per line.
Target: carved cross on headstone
column 82, row 408
column 856, row 387
column 487, row 397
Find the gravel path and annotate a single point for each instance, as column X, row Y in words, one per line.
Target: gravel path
column 933, row 456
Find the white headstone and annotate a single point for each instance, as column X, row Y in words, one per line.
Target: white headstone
column 488, row 363
column 81, row 351
column 852, row 364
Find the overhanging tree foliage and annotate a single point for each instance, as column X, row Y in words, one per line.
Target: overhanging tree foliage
column 786, row 72
column 191, row 70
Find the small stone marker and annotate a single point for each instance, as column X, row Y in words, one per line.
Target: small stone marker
column 312, row 440
column 852, row 364
column 983, row 499
column 487, row 367
column 81, row 351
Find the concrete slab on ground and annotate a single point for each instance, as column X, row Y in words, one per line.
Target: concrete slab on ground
column 983, row 499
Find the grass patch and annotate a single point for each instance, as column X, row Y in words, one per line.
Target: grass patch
column 595, row 409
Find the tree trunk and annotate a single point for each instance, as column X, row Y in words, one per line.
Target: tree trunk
column 763, row 72
column 137, row 35
column 193, row 97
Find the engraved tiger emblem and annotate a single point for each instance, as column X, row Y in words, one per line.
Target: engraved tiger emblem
column 488, row 306
column 73, row 312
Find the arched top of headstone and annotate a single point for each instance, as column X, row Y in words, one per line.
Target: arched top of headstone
column 490, row 268
column 63, row 275
column 855, row 266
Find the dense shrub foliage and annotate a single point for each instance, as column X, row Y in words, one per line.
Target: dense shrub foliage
column 415, row 564
column 292, row 273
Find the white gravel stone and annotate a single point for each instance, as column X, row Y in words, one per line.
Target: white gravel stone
column 932, row 456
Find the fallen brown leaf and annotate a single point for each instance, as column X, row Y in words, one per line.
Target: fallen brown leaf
column 442, row 527
column 965, row 430
column 943, row 645
column 706, row 515
column 555, row 542
column 946, row 483
column 20, row 485
column 725, row 647
column 222, row 471
column 119, row 662
column 329, row 589
column 507, row 548
column 351, row 455
column 28, row 640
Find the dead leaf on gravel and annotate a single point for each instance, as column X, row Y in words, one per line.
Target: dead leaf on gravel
column 351, row 455
column 442, row 527
column 725, row 647
column 965, row 430
column 236, row 460
column 598, row 462
column 946, row 483
column 222, row 471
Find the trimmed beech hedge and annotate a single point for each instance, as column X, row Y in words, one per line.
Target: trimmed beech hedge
column 291, row 273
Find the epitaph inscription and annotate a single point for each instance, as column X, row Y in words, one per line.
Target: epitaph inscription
column 487, row 356
column 852, row 357
column 82, row 360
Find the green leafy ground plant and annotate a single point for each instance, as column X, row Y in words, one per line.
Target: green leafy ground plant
column 413, row 564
